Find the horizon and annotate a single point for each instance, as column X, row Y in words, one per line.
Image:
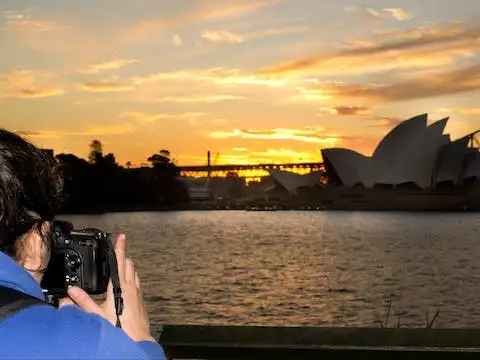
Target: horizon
column 254, row 81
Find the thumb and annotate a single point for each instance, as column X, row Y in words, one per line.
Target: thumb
column 65, row 301
column 83, row 300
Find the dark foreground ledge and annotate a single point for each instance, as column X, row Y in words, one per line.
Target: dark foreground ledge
column 252, row 342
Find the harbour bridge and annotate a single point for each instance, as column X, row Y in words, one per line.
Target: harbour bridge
column 248, row 170
column 258, row 170
column 245, row 170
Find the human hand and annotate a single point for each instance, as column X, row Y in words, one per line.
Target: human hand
column 134, row 319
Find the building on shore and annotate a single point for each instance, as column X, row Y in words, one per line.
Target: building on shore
column 198, row 188
column 214, row 188
column 413, row 155
column 293, row 182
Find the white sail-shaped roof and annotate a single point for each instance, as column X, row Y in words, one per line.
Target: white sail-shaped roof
column 451, row 161
column 291, row 181
column 418, row 160
column 390, row 158
column 350, row 166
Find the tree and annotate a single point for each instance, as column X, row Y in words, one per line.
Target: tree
column 165, row 153
column 163, row 158
column 96, row 152
column 110, row 161
column 167, row 188
column 78, row 187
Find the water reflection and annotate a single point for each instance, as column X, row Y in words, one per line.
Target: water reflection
column 303, row 268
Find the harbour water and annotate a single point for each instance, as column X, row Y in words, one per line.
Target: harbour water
column 311, row 268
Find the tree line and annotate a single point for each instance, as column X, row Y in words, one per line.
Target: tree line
column 99, row 184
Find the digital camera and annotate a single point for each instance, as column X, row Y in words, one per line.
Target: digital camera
column 79, row 258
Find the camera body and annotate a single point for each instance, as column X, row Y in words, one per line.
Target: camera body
column 79, row 258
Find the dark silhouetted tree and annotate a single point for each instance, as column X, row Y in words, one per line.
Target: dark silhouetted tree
column 109, row 161
column 78, row 188
column 165, row 174
column 162, row 158
column 100, row 184
column 96, row 152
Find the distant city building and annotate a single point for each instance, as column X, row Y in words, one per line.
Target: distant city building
column 198, row 188
column 216, row 188
column 411, row 153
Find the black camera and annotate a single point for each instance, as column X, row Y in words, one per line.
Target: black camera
column 79, row 258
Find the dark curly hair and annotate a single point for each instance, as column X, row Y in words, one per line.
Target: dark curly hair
column 30, row 189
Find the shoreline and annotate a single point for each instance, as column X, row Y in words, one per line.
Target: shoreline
column 321, row 199
column 267, row 208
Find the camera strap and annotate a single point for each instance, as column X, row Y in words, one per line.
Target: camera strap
column 117, row 289
column 12, row 301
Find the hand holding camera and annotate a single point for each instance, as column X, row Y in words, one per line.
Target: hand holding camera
column 134, row 318
column 83, row 263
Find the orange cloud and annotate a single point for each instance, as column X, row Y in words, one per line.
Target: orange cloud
column 107, row 65
column 147, row 118
column 287, row 154
column 280, row 31
column 399, row 14
column 177, row 40
column 207, row 11
column 106, row 86
column 227, row 37
column 222, row 37
column 363, row 113
column 346, row 110
column 18, row 21
column 34, row 93
column 430, row 85
column 199, row 98
column 386, row 121
column 26, row 84
column 95, row 130
column 311, row 93
column 269, row 156
column 198, row 85
column 396, row 13
column 420, row 49
column 218, row 75
column 309, row 135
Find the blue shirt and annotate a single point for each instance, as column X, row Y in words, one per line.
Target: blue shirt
column 43, row 332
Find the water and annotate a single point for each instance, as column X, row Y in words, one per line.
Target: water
column 304, row 268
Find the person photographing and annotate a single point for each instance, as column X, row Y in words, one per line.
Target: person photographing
column 30, row 196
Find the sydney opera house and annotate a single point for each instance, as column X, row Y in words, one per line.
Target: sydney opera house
column 414, row 155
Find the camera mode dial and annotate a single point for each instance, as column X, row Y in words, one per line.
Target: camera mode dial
column 72, row 261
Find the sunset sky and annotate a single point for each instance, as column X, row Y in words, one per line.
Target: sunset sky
column 251, row 80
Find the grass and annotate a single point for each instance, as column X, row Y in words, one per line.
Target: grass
column 385, row 323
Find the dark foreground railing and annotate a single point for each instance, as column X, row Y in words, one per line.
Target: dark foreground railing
column 251, row 342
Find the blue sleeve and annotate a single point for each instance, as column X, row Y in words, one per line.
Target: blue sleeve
column 115, row 344
column 153, row 349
